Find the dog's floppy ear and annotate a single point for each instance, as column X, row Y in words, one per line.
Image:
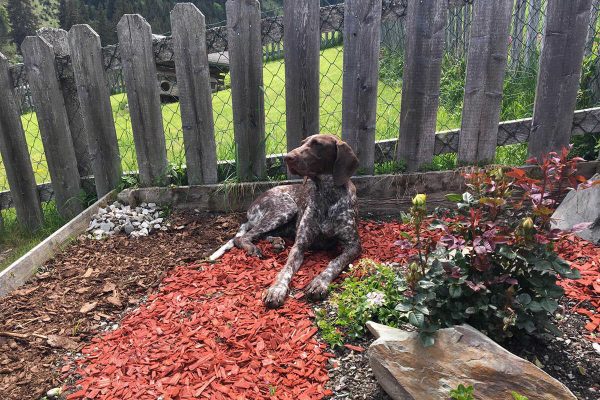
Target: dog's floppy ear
column 346, row 164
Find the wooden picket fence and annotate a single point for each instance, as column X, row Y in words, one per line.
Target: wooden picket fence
column 551, row 127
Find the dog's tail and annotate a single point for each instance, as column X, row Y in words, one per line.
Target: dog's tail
column 229, row 245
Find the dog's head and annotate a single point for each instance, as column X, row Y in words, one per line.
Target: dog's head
column 323, row 155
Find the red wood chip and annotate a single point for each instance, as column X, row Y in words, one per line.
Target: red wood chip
column 354, row 348
column 206, row 333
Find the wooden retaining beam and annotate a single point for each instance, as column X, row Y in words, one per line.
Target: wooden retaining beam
column 94, row 100
column 380, row 195
column 139, row 71
column 247, row 91
column 54, row 124
column 563, row 47
column 362, row 30
column 195, row 95
column 15, row 155
column 25, row 267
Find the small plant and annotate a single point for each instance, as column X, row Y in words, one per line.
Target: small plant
column 369, row 293
column 178, row 174
column 128, row 181
column 462, row 392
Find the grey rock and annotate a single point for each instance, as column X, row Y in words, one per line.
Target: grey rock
column 580, row 206
column 460, row 355
column 128, row 228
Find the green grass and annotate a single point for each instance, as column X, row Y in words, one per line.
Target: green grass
column 19, row 241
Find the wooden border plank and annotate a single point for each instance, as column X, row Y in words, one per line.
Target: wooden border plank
column 425, row 30
column 15, row 155
column 94, row 98
column 54, row 124
column 195, row 95
column 362, row 31
column 143, row 96
column 486, row 67
column 25, row 267
column 561, row 59
column 302, row 57
column 247, row 88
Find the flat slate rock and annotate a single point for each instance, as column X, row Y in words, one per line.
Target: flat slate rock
column 580, row 206
column 461, row 355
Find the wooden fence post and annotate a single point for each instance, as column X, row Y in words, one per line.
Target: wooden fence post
column 486, row 68
column 57, row 38
column 302, row 56
column 247, row 91
column 425, row 27
column 143, row 96
column 15, row 155
column 195, row 98
column 561, row 60
column 362, row 30
column 94, row 100
column 53, row 121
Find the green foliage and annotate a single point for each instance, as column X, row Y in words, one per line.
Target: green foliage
column 586, row 146
column 370, row 293
column 23, row 19
column 462, row 392
column 14, row 236
column 494, row 266
column 517, row 396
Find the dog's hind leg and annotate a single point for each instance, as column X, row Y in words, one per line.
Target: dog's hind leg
column 229, row 245
column 269, row 221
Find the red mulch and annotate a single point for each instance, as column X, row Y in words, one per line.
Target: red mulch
column 207, row 334
column 586, row 291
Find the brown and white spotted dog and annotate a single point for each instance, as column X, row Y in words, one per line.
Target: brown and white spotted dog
column 321, row 212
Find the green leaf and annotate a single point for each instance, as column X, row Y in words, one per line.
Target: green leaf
column 455, row 291
column 471, row 310
column 535, row 306
column 549, row 305
column 422, row 308
column 468, row 197
column 405, row 235
column 416, row 319
column 427, row 339
column 507, row 252
column 404, row 307
column 454, row 197
column 426, row 284
column 524, row 299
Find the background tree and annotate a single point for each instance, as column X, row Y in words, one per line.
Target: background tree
column 23, row 19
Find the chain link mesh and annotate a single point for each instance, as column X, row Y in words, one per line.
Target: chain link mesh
column 526, row 30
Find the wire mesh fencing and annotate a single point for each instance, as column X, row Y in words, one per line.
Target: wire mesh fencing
column 525, row 41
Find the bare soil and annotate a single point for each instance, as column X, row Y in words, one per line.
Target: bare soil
column 85, row 290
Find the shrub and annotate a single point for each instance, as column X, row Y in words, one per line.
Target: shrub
column 494, row 266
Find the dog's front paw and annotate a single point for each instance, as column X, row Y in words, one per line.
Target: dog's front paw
column 275, row 296
column 254, row 251
column 317, row 289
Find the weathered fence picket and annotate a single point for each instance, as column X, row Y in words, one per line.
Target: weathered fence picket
column 94, row 100
column 143, row 96
column 195, row 101
column 15, row 155
column 302, row 57
column 57, row 38
column 421, row 81
column 486, row 68
column 362, row 30
column 54, row 124
column 561, row 60
column 247, row 91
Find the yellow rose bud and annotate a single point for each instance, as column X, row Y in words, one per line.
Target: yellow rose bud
column 419, row 200
column 527, row 223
